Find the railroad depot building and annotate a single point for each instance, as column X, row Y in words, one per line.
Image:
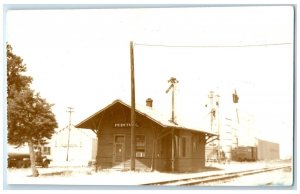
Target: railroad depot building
column 161, row 145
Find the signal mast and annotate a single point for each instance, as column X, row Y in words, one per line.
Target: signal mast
column 173, row 81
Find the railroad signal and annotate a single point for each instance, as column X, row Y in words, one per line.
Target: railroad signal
column 235, row 97
column 173, row 81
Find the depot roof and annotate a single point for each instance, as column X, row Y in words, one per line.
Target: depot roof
column 147, row 112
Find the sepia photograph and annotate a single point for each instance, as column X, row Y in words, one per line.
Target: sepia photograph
column 150, row 96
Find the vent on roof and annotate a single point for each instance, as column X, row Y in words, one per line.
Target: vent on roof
column 149, row 102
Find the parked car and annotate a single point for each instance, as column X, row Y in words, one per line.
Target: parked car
column 22, row 160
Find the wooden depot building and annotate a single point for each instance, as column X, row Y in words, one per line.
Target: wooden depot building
column 160, row 144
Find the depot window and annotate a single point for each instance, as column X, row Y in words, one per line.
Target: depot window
column 140, row 151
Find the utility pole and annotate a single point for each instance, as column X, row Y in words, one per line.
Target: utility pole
column 173, row 81
column 132, row 164
column 215, row 113
column 212, row 111
column 218, row 115
column 235, row 99
column 70, row 110
column 218, row 111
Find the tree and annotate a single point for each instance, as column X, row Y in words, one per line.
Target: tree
column 16, row 82
column 30, row 118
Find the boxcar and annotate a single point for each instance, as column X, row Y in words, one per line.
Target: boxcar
column 244, row 153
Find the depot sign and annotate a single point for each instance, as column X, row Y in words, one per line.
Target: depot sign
column 124, row 125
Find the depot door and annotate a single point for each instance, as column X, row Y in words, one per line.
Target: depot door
column 119, row 149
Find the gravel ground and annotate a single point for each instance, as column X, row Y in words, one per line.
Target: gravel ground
column 78, row 175
column 274, row 178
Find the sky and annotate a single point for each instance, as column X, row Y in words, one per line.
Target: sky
column 81, row 59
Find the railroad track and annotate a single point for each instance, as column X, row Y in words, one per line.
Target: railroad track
column 213, row 178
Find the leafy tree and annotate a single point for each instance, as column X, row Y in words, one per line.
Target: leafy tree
column 16, row 82
column 30, row 118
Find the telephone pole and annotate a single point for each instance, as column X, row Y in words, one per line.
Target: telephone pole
column 70, row 110
column 212, row 109
column 132, row 164
column 217, row 113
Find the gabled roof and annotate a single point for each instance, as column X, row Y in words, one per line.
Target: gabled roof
column 147, row 112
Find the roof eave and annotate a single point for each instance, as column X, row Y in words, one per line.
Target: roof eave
column 97, row 113
column 194, row 130
column 141, row 113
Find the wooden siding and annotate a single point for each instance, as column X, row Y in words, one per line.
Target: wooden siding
column 158, row 148
column 194, row 158
column 119, row 114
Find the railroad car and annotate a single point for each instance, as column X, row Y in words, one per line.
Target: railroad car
column 244, row 153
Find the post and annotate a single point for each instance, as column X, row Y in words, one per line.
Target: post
column 70, row 111
column 237, row 114
column 218, row 115
column 235, row 101
column 97, row 166
column 173, row 117
column 210, row 96
column 173, row 152
column 173, row 81
column 132, row 165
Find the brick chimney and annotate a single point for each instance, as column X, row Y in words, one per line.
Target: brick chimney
column 149, row 102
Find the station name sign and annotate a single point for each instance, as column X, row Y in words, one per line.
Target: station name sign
column 124, row 125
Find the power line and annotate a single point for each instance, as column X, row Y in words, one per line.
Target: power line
column 213, row 46
column 62, row 129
